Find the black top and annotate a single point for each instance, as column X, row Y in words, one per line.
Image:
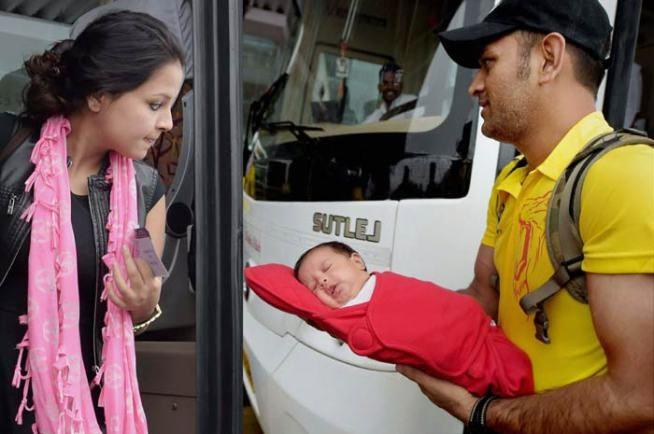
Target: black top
column 13, row 302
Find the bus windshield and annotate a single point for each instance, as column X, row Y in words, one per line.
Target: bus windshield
column 370, row 107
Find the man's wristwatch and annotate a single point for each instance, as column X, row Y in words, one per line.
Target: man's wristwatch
column 140, row 327
column 477, row 420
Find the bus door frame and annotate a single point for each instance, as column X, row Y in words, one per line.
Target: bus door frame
column 218, row 205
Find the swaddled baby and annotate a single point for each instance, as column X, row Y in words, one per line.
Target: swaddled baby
column 399, row 319
column 336, row 274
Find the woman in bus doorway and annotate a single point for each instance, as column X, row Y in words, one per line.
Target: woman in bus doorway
column 72, row 193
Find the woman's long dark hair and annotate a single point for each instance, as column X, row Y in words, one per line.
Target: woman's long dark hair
column 116, row 53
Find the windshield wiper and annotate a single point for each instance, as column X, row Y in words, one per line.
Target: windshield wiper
column 297, row 130
column 259, row 111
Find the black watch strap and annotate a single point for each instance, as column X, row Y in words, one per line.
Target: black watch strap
column 477, row 420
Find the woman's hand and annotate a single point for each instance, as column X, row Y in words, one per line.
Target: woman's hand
column 142, row 295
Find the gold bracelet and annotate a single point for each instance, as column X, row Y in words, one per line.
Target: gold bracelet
column 140, row 327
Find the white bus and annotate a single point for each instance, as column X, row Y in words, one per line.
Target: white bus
column 409, row 192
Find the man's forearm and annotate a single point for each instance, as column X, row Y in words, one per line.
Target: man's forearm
column 486, row 298
column 590, row 406
column 482, row 287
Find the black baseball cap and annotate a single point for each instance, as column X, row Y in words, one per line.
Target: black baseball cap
column 582, row 22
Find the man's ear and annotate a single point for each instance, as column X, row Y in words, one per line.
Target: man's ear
column 379, row 87
column 96, row 102
column 552, row 54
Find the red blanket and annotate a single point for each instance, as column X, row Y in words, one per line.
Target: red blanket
column 413, row 322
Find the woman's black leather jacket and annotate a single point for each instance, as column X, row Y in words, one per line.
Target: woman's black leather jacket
column 14, row 231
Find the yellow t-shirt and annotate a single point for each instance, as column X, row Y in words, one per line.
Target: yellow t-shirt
column 617, row 228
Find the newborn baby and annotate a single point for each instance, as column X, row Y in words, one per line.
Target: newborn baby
column 336, row 274
column 396, row 319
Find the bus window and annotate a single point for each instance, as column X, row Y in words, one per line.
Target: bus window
column 269, row 37
column 627, row 98
column 327, row 96
column 315, row 142
column 20, row 37
column 640, row 98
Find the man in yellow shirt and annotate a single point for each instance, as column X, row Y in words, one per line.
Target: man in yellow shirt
column 541, row 63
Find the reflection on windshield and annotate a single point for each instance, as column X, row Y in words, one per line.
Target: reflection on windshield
column 395, row 116
column 269, row 38
column 334, row 101
column 350, row 81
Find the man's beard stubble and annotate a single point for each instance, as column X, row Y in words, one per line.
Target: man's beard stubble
column 510, row 113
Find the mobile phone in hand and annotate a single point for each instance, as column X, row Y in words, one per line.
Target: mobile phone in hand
column 144, row 249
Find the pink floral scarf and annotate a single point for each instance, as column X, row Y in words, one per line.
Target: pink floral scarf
column 54, row 366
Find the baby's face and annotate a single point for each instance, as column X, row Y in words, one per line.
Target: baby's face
column 334, row 277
